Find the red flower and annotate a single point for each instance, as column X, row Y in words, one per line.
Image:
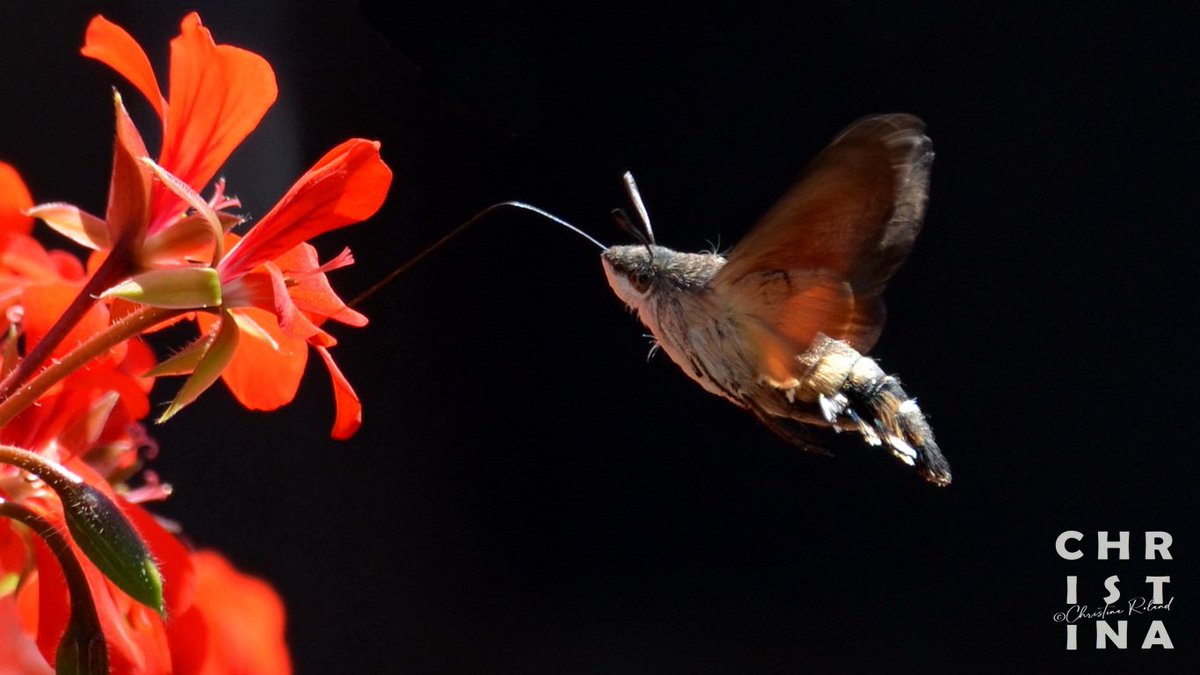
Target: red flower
column 277, row 293
column 91, row 585
column 218, row 95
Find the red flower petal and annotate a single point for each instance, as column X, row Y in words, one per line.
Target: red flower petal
column 346, row 186
column 53, row 600
column 23, row 255
column 219, row 93
column 292, row 321
column 187, row 635
column 245, row 620
column 138, row 360
column 45, row 302
column 110, row 44
column 18, row 652
column 349, row 407
column 14, row 199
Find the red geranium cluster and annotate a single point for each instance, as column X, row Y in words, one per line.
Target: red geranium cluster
column 90, row 582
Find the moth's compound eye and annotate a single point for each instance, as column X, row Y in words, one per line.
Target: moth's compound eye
column 640, row 281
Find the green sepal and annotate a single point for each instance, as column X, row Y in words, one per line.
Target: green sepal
column 216, row 357
column 178, row 288
column 184, row 361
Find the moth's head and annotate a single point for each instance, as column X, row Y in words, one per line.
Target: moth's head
column 636, row 272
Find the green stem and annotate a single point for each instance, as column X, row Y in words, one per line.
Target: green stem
column 55, row 475
column 122, row 330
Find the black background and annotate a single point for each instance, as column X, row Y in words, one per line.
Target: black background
column 528, row 494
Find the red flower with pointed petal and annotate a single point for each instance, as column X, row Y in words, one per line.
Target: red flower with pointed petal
column 218, row 95
column 278, row 293
column 93, row 581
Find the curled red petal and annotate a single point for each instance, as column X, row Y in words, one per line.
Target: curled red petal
column 108, row 43
column 310, row 289
column 346, row 186
column 349, row 408
column 292, row 321
column 53, row 599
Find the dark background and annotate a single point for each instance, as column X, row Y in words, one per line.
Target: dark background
column 528, row 494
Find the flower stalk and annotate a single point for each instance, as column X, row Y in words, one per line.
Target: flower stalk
column 121, row 330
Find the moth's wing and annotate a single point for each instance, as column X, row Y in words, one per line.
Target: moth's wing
column 819, row 260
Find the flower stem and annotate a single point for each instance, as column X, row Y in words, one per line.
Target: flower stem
column 122, row 330
column 58, row 477
column 113, row 269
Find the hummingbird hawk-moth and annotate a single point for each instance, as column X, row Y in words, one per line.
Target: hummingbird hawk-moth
column 780, row 325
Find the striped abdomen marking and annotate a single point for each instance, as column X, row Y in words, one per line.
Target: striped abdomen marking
column 846, row 383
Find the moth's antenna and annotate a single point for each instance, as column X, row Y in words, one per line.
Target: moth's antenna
column 412, row 262
column 636, row 198
column 622, row 220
